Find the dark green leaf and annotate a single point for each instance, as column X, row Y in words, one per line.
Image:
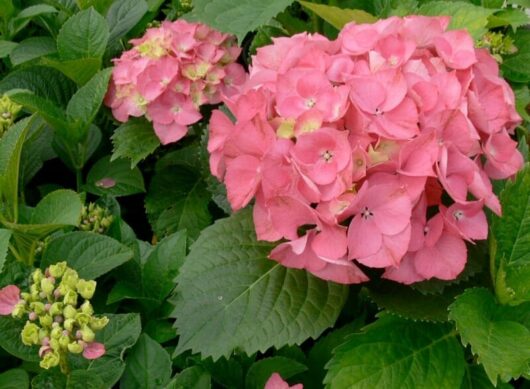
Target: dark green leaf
column 6, row 48
column 10, row 340
column 49, row 380
column 14, row 379
column 5, row 235
column 61, row 207
column 122, row 16
column 191, row 378
column 83, row 379
column 77, row 70
column 512, row 17
column 32, row 48
column 114, row 178
column 134, row 140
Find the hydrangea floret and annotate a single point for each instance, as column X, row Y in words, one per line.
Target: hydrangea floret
column 95, row 218
column 8, row 113
column 58, row 313
column 374, row 149
column 171, row 72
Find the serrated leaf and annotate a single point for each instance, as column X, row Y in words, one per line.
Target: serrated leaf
column 134, row 140
column 83, row 379
column 84, row 35
column 162, row 266
column 247, row 301
column 35, row 10
column 85, row 103
column 237, row 17
column 338, row 17
column 176, row 200
column 160, row 330
column 501, row 344
column 14, row 379
column 37, row 150
column 510, row 242
column 10, row 340
column 114, row 178
column 475, row 378
column 398, row 353
column 43, row 81
column 191, row 378
column 463, row 15
column 61, row 207
column 32, row 48
column 5, row 236
column 50, row 112
column 260, row 371
column 148, row 366
column 92, row 255
column 512, row 17
column 122, row 16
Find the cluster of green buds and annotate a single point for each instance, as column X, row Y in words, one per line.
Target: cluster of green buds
column 60, row 318
column 179, row 8
column 8, row 113
column 95, row 219
column 498, row 44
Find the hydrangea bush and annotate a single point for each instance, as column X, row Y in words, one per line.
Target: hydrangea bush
column 288, row 194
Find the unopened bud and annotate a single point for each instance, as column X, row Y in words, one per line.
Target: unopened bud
column 99, row 323
column 58, row 269
column 86, row 288
column 30, row 334
column 75, row 348
column 70, row 298
column 51, row 359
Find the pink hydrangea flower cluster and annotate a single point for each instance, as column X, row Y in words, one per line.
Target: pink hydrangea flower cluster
column 376, row 148
column 170, row 72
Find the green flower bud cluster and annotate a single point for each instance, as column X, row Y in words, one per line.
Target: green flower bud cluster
column 498, row 44
column 60, row 318
column 179, row 8
column 8, row 113
column 95, row 219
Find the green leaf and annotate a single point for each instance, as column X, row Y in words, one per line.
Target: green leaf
column 500, row 342
column 6, row 48
column 398, row 353
column 163, row 266
column 11, row 145
column 49, row 380
column 118, row 336
column 191, row 378
column 37, row 150
column 5, row 236
column 50, row 112
column 515, row 67
column 10, row 340
column 148, row 365
column 76, row 154
column 134, row 140
column 124, row 290
column 61, row 207
column 160, row 330
column 260, row 371
column 85, row 103
column 512, row 17
column 92, row 255
column 32, row 48
column 476, row 378
column 247, row 301
column 83, row 379
column 14, row 379
column 35, row 10
column 77, row 70
column 44, row 82
column 114, row 178
column 237, row 17
column 411, row 304
column 463, row 15
column 338, row 17
column 84, row 35
column 177, row 199
column 510, row 242
column 122, row 16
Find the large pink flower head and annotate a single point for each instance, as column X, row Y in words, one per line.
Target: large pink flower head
column 170, row 72
column 372, row 150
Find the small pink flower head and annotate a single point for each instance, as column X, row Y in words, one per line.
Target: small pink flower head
column 94, row 350
column 276, row 382
column 9, row 298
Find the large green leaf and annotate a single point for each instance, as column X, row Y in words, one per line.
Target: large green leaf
column 148, row 366
column 177, row 199
column 78, row 70
column 14, row 379
column 191, row 378
column 114, row 178
column 247, row 301
column 10, row 340
column 45, row 82
column 395, row 353
column 512, row 17
column 122, row 16
column 61, row 207
column 32, row 48
column 463, row 15
column 6, row 48
column 84, row 35
column 476, row 378
column 510, row 242
column 49, row 111
column 92, row 255
column 515, row 67
column 134, row 140
column 83, row 379
column 498, row 335
column 338, row 17
column 236, row 16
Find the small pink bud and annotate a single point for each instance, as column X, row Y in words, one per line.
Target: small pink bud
column 47, row 307
column 58, row 319
column 32, row 316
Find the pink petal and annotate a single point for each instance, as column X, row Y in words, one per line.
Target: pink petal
column 242, row 179
column 364, row 238
column 94, row 350
column 9, row 298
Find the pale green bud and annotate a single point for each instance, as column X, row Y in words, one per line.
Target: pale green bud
column 34, row 290
column 70, row 278
column 98, row 323
column 82, row 318
column 46, row 320
column 69, row 312
column 75, row 348
column 47, row 286
column 54, row 344
column 43, row 333
column 70, row 298
column 56, row 309
column 19, row 310
column 87, row 334
column 58, row 269
column 37, row 276
column 30, row 334
column 69, row 324
column 64, row 341
column 56, row 333
column 26, row 296
column 86, row 308
column 86, row 288
column 37, row 307
column 51, row 359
